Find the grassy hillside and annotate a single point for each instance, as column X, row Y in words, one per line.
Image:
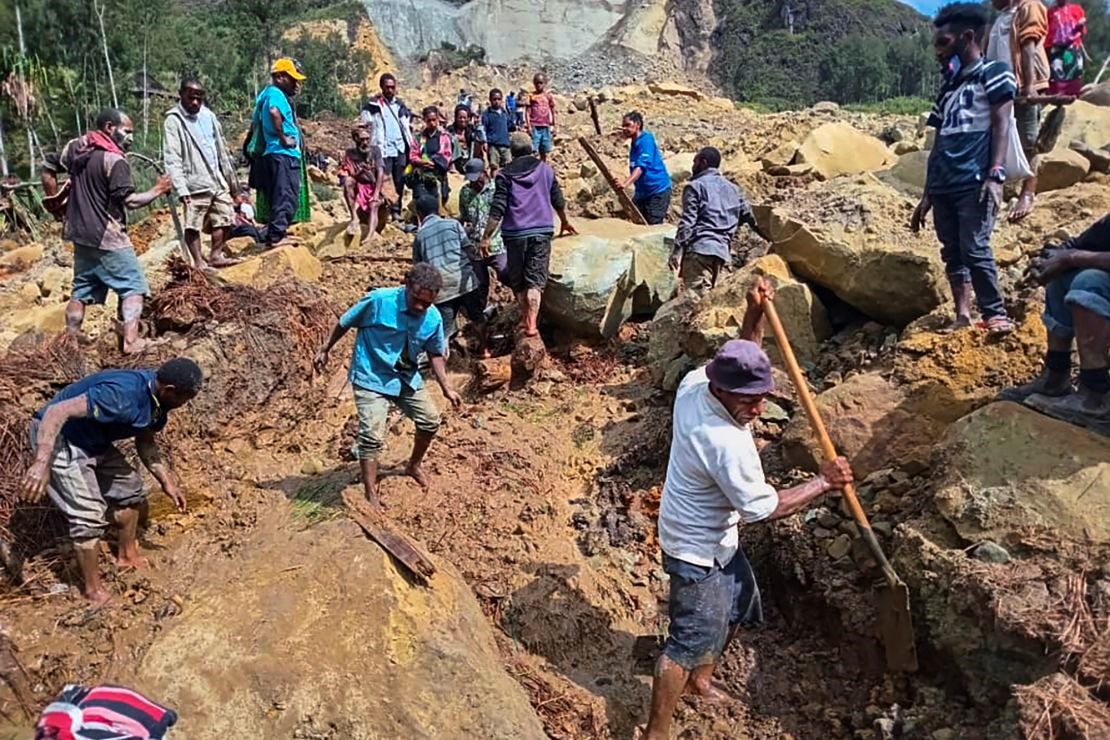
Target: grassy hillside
column 795, row 52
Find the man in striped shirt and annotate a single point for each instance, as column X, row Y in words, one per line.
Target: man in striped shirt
column 966, row 172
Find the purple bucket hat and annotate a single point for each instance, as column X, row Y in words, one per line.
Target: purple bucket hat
column 742, row 367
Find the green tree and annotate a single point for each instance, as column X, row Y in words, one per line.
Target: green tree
column 857, row 71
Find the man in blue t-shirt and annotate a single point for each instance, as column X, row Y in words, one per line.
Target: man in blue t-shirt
column 646, row 170
column 78, row 465
column 279, row 177
column 395, row 326
column 966, row 172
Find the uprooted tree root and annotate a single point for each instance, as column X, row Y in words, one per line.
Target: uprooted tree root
column 250, row 343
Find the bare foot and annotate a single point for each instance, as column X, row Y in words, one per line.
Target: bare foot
column 97, row 598
column 1022, row 208
column 961, row 322
column 376, row 504
column 352, row 227
column 709, row 692
column 223, row 261
column 416, row 472
column 129, row 561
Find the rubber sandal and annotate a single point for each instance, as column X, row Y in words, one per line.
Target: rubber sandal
column 997, row 325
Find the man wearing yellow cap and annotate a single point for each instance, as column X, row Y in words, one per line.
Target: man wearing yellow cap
column 276, row 143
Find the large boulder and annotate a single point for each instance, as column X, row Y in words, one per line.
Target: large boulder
column 908, row 173
column 1097, row 95
column 1061, row 168
column 1085, row 122
column 839, row 149
column 695, row 326
column 674, row 89
column 611, row 271
column 274, row 265
column 304, row 629
column 854, row 240
column 871, row 422
column 680, row 166
column 1008, row 473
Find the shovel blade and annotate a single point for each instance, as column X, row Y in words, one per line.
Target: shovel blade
column 896, row 628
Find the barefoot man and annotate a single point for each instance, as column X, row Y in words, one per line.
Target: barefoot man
column 714, row 482
column 395, row 325
column 86, row 477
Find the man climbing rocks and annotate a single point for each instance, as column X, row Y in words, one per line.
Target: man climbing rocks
column 278, row 178
column 203, row 174
column 526, row 192
column 646, row 170
column 430, row 158
column 391, row 122
column 443, row 244
column 86, row 476
column 497, row 122
column 1076, row 276
column 395, row 326
column 713, row 208
column 361, row 175
column 714, row 482
column 966, row 172
column 100, row 192
column 539, row 117
column 1017, row 40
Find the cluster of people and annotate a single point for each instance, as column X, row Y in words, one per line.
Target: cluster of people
column 508, row 206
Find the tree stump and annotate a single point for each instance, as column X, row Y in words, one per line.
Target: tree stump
column 529, row 356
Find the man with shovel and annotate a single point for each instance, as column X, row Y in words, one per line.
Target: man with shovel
column 714, row 482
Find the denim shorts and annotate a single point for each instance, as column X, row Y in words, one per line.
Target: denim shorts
column 542, row 143
column 706, row 604
column 1089, row 289
column 654, row 207
column 96, row 271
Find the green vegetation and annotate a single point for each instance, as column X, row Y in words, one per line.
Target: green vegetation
column 788, row 54
column 228, row 43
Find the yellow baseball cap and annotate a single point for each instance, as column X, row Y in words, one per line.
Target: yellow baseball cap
column 289, row 66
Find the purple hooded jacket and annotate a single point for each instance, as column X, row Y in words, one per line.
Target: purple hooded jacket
column 525, row 196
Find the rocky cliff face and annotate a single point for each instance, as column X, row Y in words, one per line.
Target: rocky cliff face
column 507, row 29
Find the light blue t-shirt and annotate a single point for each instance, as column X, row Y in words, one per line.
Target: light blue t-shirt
column 644, row 153
column 389, row 341
column 272, row 97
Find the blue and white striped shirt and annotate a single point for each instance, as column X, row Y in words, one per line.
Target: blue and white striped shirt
column 961, row 155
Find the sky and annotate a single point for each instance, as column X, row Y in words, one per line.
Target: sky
column 927, row 7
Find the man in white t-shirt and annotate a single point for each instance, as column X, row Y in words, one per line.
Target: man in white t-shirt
column 714, row 482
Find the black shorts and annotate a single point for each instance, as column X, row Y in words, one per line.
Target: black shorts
column 472, row 304
column 529, row 259
column 706, row 603
column 655, row 207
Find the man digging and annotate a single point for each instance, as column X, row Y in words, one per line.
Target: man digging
column 395, row 325
column 86, row 476
column 714, row 482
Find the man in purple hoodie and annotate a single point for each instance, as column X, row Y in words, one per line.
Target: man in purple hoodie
column 525, row 194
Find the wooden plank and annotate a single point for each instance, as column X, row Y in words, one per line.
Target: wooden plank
column 379, row 529
column 629, row 207
column 593, row 115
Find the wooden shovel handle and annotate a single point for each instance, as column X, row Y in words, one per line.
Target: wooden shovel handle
column 827, row 448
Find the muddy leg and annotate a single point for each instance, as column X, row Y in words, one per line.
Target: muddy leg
column 75, row 316
column 369, row 470
column 961, row 296
column 127, row 519
column 219, row 258
column 192, row 242
column 700, row 682
column 666, row 689
column 531, row 304
column 88, row 560
column 131, row 308
column 420, row 445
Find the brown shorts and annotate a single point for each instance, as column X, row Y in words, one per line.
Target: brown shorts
column 208, row 211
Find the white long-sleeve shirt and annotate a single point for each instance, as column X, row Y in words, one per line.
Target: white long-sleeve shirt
column 714, row 479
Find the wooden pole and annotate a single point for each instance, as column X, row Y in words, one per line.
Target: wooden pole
column 593, row 115
column 630, row 209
